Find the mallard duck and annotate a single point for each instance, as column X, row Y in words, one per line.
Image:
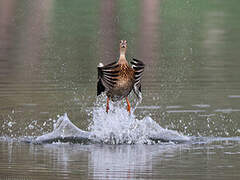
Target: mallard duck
column 118, row 79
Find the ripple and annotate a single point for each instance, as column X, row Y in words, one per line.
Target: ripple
column 185, row 111
column 206, row 115
column 149, row 107
column 231, row 153
column 201, row 105
column 227, row 110
column 174, row 107
column 234, row 96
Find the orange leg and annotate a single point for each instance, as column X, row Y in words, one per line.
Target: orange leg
column 128, row 105
column 107, row 108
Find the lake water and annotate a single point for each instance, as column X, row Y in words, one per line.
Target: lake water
column 49, row 51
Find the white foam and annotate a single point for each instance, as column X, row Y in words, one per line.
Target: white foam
column 118, row 127
column 63, row 128
column 115, row 127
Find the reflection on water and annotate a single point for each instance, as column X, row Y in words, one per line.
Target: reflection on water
column 48, row 62
column 213, row 160
column 48, row 56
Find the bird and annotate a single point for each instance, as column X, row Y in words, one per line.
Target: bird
column 118, row 78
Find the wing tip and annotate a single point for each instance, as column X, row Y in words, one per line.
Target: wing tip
column 137, row 62
column 100, row 65
column 100, row 87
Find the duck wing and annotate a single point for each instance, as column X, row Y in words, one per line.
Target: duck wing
column 138, row 67
column 107, row 77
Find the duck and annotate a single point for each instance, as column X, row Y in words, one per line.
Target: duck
column 118, row 78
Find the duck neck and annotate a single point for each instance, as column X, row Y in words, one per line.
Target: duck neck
column 122, row 58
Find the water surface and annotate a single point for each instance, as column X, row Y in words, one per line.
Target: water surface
column 49, row 51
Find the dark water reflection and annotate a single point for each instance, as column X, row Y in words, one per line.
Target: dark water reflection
column 169, row 161
column 48, row 56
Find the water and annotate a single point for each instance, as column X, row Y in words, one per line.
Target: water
column 49, row 51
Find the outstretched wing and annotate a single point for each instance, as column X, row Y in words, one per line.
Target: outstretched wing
column 138, row 67
column 107, row 76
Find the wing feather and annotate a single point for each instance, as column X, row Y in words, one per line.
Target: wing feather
column 107, row 77
column 138, row 67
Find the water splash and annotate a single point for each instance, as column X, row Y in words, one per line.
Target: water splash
column 118, row 127
column 64, row 131
column 115, row 127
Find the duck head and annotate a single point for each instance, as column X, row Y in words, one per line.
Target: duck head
column 123, row 47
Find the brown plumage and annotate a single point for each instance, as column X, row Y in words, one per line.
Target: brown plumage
column 118, row 79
